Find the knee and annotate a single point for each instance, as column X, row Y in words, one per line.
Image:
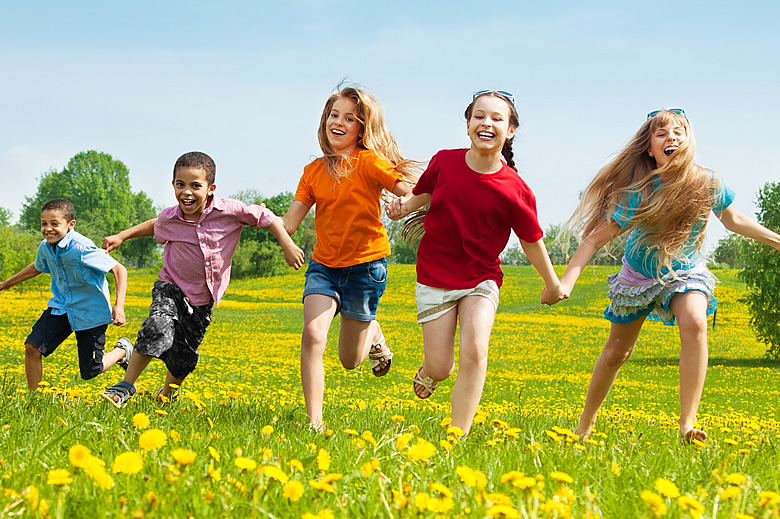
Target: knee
column 312, row 342
column 31, row 352
column 439, row 371
column 349, row 362
column 476, row 356
column 615, row 355
column 692, row 324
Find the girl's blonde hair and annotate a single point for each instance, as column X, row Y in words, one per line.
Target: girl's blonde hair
column 374, row 136
column 669, row 214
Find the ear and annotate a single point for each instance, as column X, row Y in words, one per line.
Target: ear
column 71, row 224
column 211, row 189
column 510, row 133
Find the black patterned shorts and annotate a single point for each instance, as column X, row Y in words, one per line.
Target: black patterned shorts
column 174, row 329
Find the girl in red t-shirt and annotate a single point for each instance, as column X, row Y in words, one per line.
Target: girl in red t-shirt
column 476, row 200
column 348, row 272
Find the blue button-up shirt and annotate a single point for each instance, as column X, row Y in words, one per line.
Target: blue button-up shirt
column 78, row 280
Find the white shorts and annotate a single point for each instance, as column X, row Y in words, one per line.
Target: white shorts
column 434, row 302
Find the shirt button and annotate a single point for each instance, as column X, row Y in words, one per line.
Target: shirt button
column 207, row 263
column 199, row 226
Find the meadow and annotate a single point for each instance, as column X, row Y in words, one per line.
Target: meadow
column 236, row 443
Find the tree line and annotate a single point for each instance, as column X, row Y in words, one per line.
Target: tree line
column 99, row 188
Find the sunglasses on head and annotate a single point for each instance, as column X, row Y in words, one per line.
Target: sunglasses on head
column 673, row 110
column 504, row 93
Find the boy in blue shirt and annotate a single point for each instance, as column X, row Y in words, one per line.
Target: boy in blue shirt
column 81, row 300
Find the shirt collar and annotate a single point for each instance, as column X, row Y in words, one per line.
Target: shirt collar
column 65, row 241
column 216, row 204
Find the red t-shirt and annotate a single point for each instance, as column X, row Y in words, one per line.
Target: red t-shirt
column 468, row 223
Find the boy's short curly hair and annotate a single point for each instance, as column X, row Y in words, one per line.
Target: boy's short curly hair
column 197, row 160
column 62, row 205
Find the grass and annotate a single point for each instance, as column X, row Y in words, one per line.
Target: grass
column 387, row 454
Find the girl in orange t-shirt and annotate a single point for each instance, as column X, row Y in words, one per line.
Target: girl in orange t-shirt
column 348, row 271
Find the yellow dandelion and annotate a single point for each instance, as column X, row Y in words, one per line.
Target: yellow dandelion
column 729, row 493
column 655, row 501
column 503, row 511
column 323, row 460
column 267, row 430
column 667, row 488
column 276, row 473
column 368, row 436
column 499, row 499
column 767, row 497
column 78, row 456
column 140, row 421
column 184, row 456
column 441, row 489
column 397, row 418
column 214, row 453
column 152, row 439
column 319, row 485
column 480, row 418
column 447, row 446
column 245, row 463
column 295, row 464
column 370, row 467
column 689, row 503
column 59, row 477
column 736, row 478
column 403, row 441
column 128, row 463
column 292, row 490
column 351, row 432
column 214, row 474
column 455, row 431
column 421, row 451
column 175, row 436
column 472, row 478
column 562, row 476
column 445, row 422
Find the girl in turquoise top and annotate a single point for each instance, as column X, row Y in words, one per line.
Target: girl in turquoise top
column 654, row 190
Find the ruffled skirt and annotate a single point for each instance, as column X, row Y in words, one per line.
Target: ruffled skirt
column 633, row 296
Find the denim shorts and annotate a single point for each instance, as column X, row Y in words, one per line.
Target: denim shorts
column 356, row 289
column 51, row 330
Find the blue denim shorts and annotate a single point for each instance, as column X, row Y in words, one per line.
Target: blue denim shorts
column 356, row 289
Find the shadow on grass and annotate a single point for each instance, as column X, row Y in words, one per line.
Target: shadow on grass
column 714, row 361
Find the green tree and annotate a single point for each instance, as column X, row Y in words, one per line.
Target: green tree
column 258, row 253
column 730, row 252
column 99, row 189
column 401, row 251
column 5, row 216
column 762, row 273
column 17, row 251
column 514, row 255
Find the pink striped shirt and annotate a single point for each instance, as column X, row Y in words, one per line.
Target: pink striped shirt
column 198, row 255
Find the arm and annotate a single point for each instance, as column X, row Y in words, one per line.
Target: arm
column 120, row 280
column 405, row 205
column 739, row 223
column 596, row 240
column 26, row 273
column 293, row 254
column 142, row 229
column 537, row 255
column 293, row 218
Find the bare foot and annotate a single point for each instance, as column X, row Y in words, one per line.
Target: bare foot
column 583, row 431
column 693, row 434
column 424, row 386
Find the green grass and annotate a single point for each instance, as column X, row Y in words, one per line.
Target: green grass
column 244, row 401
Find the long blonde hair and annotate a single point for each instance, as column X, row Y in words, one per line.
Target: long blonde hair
column 668, row 214
column 374, row 136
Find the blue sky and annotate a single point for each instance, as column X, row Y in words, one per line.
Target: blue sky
column 246, row 82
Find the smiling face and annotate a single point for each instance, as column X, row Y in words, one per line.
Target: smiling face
column 665, row 139
column 192, row 191
column 342, row 127
column 54, row 225
column 488, row 127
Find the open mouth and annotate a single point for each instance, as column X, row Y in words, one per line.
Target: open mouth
column 668, row 151
column 334, row 131
column 188, row 203
column 486, row 135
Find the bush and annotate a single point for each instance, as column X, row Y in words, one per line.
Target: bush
column 18, row 251
column 762, row 273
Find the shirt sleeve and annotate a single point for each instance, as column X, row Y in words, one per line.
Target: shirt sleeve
column 525, row 222
column 427, row 180
column 383, row 172
column 305, row 193
column 255, row 215
column 41, row 265
column 722, row 196
column 97, row 259
column 625, row 210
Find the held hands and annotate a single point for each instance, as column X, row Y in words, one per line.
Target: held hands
column 112, row 242
column 551, row 295
column 396, row 208
column 118, row 313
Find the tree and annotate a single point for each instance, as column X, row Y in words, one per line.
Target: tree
column 5, row 216
column 258, row 253
column 401, row 251
column 730, row 252
column 514, row 255
column 99, row 189
column 762, row 273
column 17, row 251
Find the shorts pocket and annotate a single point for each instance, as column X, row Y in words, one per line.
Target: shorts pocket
column 377, row 271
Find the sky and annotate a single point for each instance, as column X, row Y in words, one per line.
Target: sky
column 246, row 82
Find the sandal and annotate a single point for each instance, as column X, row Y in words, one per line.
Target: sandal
column 119, row 394
column 426, row 382
column 165, row 399
column 377, row 355
column 125, row 344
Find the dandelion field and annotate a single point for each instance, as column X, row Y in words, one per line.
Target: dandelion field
column 236, row 444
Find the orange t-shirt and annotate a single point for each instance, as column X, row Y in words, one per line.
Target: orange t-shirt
column 347, row 218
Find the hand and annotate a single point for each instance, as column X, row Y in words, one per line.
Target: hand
column 118, row 313
column 393, row 209
column 294, row 256
column 551, row 295
column 112, row 242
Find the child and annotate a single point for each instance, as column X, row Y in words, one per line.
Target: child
column 200, row 234
column 80, row 301
column 476, row 200
column 348, row 271
column 655, row 190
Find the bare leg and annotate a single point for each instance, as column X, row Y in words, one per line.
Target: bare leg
column 318, row 312
column 33, row 366
column 138, row 363
column 619, row 347
column 167, row 390
column 439, row 349
column 690, row 309
column 355, row 339
column 112, row 357
column 476, row 322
